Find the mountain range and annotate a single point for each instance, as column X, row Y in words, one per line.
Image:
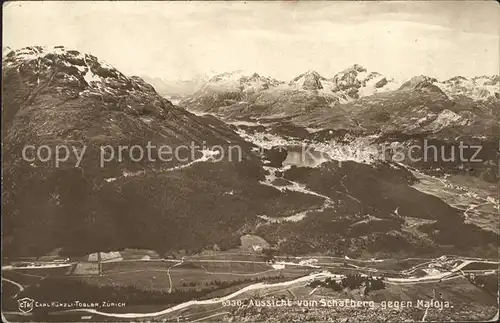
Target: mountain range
column 348, row 85
column 343, row 199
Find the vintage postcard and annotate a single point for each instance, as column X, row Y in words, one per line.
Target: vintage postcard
column 252, row 161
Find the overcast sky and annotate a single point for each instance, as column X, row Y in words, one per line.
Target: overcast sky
column 181, row 40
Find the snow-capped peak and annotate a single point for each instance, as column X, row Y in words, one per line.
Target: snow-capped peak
column 228, row 76
column 419, row 83
column 477, row 88
column 240, row 81
column 35, row 52
column 356, row 81
column 310, row 80
column 73, row 72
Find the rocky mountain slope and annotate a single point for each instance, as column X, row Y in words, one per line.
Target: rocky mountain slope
column 481, row 88
column 357, row 100
column 235, row 90
column 310, row 80
column 225, row 95
column 421, row 115
column 356, row 82
column 227, row 89
column 63, row 98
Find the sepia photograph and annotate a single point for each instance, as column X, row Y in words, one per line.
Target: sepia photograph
column 250, row 161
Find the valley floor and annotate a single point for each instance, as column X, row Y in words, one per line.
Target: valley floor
column 285, row 280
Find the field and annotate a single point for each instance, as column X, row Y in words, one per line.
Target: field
column 196, row 275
